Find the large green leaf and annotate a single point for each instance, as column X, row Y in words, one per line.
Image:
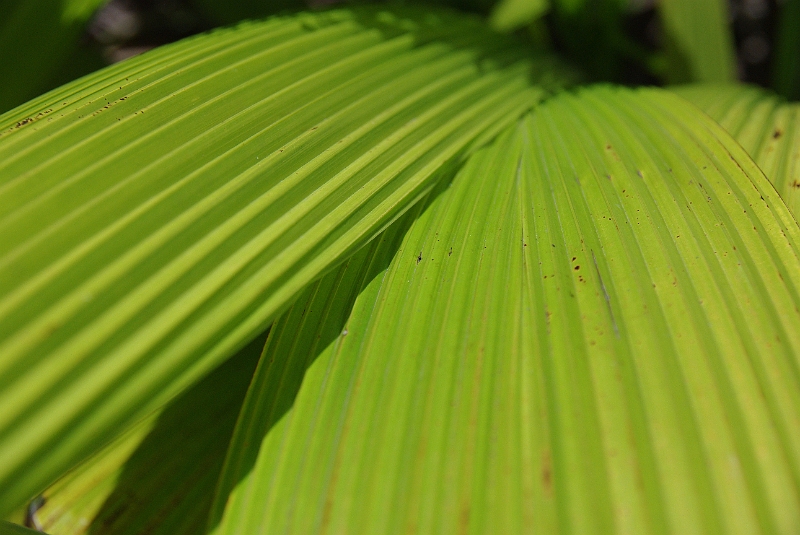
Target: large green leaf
column 765, row 125
column 158, row 214
column 595, row 329
column 698, row 41
column 36, row 38
column 159, row 477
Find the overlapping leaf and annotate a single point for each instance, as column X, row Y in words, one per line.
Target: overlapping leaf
column 157, row 215
column 595, row 329
column 766, row 126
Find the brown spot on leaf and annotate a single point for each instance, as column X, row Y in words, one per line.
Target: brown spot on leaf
column 463, row 519
column 547, row 472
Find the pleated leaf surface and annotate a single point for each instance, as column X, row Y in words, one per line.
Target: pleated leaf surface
column 766, row 126
column 594, row 329
column 157, row 215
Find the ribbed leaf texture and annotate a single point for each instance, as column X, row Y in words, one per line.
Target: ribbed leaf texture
column 157, row 215
column 159, row 477
column 698, row 41
column 766, row 126
column 594, row 329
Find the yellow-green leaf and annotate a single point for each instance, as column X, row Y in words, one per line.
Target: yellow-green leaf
column 158, row 214
column 594, row 329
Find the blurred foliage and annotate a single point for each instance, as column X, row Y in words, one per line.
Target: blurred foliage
column 786, row 68
column 40, row 46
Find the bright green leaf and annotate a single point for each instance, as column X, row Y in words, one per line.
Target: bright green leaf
column 594, row 329
column 159, row 477
column 158, row 214
column 766, row 127
column 698, row 41
column 511, row 14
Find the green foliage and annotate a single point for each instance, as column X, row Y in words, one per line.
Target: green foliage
column 528, row 324
column 494, row 304
column 125, row 279
column 786, row 68
column 698, row 41
column 8, row 528
column 511, row 14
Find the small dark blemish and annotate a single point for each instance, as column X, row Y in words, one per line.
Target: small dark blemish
column 419, row 258
column 777, row 133
column 577, row 268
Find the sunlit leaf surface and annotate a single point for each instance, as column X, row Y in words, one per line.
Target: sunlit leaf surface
column 766, row 126
column 158, row 214
column 594, row 329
